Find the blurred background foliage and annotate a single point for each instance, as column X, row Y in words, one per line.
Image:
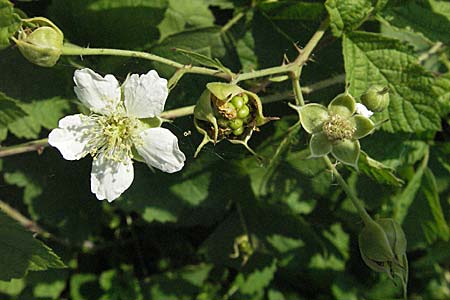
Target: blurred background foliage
column 229, row 225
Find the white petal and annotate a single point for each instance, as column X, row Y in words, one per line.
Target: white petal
column 109, row 179
column 361, row 109
column 145, row 95
column 160, row 150
column 71, row 137
column 99, row 94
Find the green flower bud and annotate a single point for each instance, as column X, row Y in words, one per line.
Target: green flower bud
column 376, row 98
column 382, row 244
column 221, row 111
column 41, row 43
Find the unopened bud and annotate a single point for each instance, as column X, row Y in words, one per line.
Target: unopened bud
column 382, row 244
column 376, row 98
column 41, row 43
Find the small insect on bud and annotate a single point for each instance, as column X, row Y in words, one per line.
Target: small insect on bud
column 376, row 98
column 226, row 111
column 40, row 42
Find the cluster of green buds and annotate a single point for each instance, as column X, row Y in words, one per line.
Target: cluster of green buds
column 226, row 111
column 335, row 129
column 382, row 244
column 40, row 41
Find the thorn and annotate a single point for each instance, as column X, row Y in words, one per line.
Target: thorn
column 299, row 49
column 285, row 60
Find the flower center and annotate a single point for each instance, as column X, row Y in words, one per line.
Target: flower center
column 337, row 128
column 113, row 136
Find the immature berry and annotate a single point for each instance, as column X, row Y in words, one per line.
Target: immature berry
column 238, row 131
column 236, row 123
column 243, row 112
column 237, row 101
column 245, row 98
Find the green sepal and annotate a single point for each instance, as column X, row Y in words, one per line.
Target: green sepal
column 343, row 104
column 374, row 243
column 347, row 152
column 204, row 111
column 312, row 117
column 364, row 126
column 395, row 236
column 151, row 122
column 224, row 91
column 43, row 46
column 319, row 145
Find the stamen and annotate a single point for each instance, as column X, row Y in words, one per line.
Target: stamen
column 113, row 136
column 336, row 128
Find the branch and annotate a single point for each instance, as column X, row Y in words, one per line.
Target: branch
column 24, row 221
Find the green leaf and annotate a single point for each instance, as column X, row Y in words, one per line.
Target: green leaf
column 204, row 60
column 419, row 16
column 404, row 200
column 47, row 284
column 120, row 284
column 185, row 14
column 21, row 252
column 437, row 227
column 188, row 281
column 13, row 287
column 373, row 59
column 378, row 171
column 9, row 110
column 347, row 15
column 84, row 287
column 42, row 113
column 9, row 23
column 256, row 275
column 442, row 89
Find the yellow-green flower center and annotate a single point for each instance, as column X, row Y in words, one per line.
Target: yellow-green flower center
column 113, row 136
column 337, row 128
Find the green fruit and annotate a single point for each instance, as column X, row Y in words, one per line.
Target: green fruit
column 238, row 131
column 245, row 98
column 235, row 123
column 237, row 101
column 243, row 112
column 376, row 98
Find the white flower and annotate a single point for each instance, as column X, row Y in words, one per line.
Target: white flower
column 117, row 130
column 361, row 109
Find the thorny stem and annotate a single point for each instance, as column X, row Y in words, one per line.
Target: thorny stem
column 356, row 202
column 295, row 79
column 294, row 66
column 24, row 221
column 75, row 50
column 37, row 145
